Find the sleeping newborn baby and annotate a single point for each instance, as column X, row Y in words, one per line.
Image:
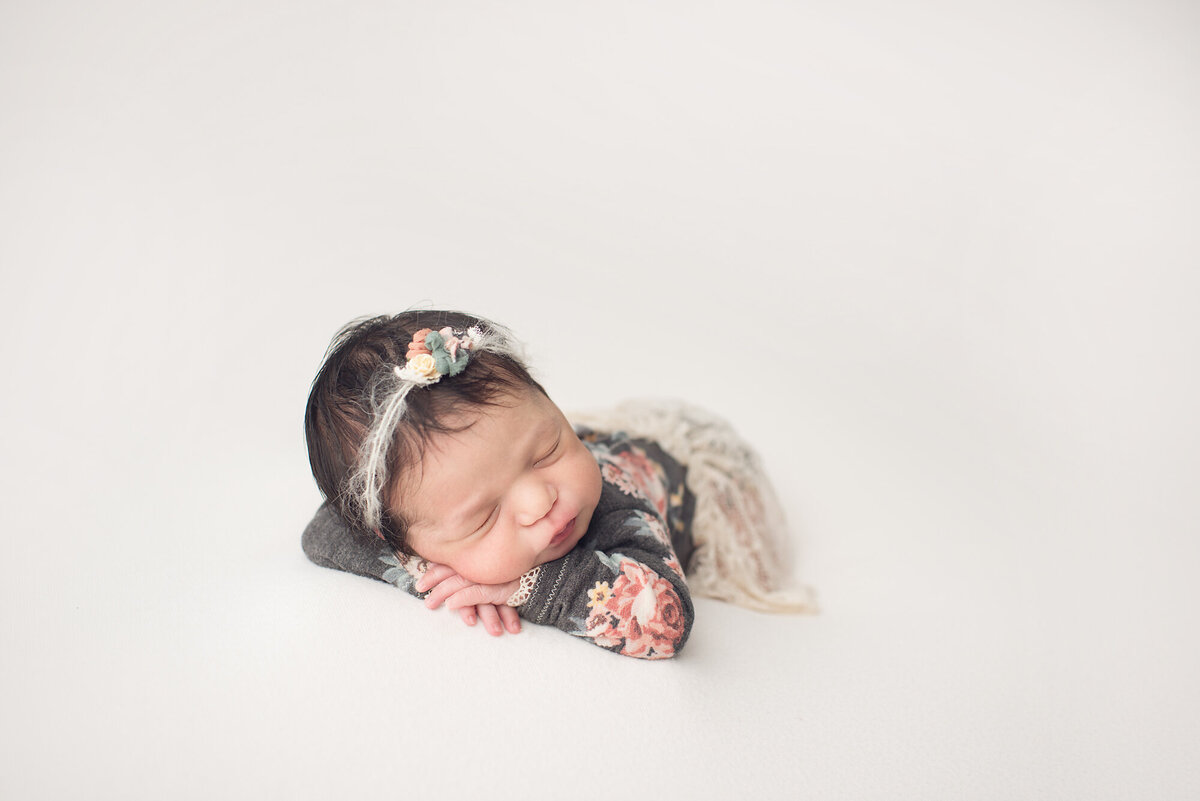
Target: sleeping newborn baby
column 449, row 472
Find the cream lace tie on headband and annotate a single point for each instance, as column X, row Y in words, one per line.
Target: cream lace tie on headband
column 432, row 355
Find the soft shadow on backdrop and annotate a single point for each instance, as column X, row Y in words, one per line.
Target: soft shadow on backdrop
column 939, row 261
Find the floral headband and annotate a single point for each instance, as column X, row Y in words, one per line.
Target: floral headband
column 431, row 356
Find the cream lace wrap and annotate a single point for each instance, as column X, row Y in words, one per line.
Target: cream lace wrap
column 738, row 526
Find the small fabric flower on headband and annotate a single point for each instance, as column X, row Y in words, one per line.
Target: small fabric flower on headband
column 433, row 354
column 417, row 346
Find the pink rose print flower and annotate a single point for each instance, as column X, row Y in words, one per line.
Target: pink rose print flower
column 642, row 614
column 615, row 475
column 658, row 529
column 646, row 475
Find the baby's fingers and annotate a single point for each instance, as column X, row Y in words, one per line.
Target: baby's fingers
column 467, row 613
column 510, row 618
column 477, row 595
column 434, row 575
column 445, row 589
column 474, row 594
column 491, row 619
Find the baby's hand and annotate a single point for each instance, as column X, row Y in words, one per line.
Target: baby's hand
column 496, row 618
column 487, row 601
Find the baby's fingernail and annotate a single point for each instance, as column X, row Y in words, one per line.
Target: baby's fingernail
column 514, row 627
column 495, row 630
column 470, row 620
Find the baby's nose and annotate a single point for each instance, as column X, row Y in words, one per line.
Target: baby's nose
column 536, row 502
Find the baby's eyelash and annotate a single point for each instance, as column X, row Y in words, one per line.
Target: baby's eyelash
column 486, row 520
column 551, row 452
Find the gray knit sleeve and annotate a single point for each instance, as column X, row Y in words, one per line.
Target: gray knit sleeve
column 330, row 542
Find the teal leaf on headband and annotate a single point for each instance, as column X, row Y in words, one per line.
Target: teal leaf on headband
column 437, row 348
column 441, row 355
column 458, row 365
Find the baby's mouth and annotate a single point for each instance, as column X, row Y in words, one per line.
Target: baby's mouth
column 563, row 532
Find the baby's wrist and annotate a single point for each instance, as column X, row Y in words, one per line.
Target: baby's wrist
column 524, row 588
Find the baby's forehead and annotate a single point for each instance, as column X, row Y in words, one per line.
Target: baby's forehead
column 477, row 452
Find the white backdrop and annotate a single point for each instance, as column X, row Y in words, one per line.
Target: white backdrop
column 938, row 260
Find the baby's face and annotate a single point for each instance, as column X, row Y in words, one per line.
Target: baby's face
column 514, row 490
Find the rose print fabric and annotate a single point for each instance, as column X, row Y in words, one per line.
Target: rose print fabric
column 641, row 615
column 622, row 587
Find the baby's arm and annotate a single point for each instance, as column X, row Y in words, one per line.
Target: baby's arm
column 330, row 542
column 621, row 587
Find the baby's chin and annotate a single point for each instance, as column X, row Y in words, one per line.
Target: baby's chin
column 493, row 577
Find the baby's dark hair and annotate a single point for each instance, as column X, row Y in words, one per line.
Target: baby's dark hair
column 357, row 403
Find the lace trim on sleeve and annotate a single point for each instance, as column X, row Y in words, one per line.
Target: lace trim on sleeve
column 528, row 582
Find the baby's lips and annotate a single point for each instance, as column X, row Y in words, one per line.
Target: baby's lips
column 562, row 531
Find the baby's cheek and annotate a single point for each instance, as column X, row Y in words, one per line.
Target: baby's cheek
column 496, row 564
column 594, row 482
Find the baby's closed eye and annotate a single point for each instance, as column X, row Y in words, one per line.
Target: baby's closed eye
column 486, row 523
column 541, row 462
